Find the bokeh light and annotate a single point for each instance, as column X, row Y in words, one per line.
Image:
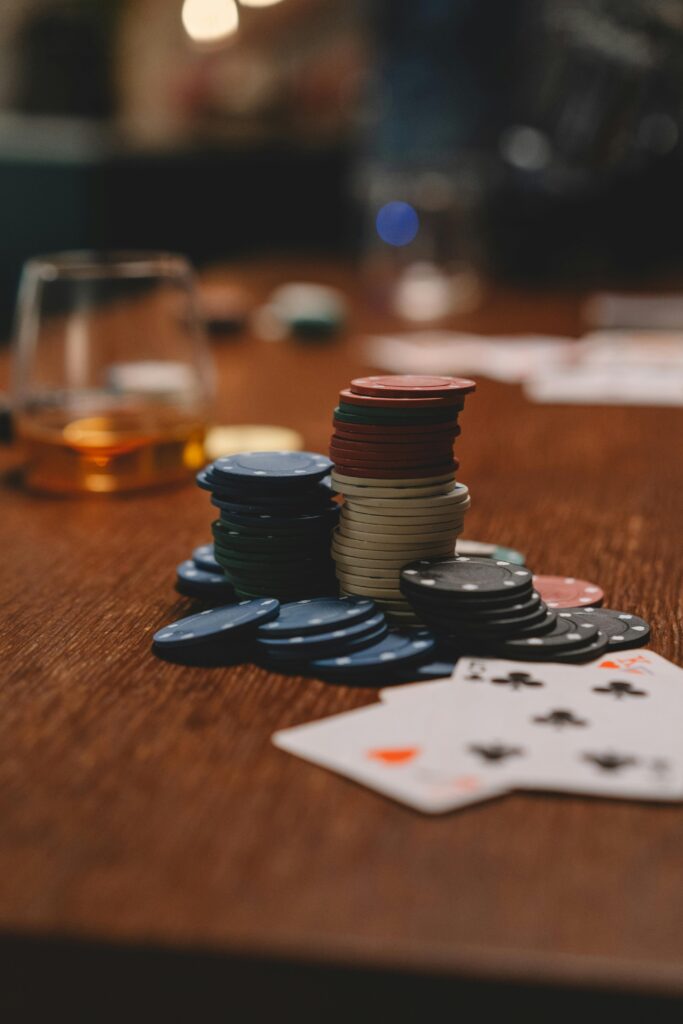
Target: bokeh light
column 259, row 3
column 210, row 21
column 397, row 223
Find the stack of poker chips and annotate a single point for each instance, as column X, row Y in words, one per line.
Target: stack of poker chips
column 392, row 449
column 489, row 607
column 276, row 515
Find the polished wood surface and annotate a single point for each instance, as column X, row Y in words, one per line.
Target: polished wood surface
column 143, row 803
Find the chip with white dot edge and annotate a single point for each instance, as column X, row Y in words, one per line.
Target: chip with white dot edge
column 231, row 621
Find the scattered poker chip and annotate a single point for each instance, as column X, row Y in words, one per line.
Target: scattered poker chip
column 301, row 618
column 398, row 648
column 306, row 646
column 568, row 592
column 226, row 622
column 204, row 559
column 473, row 577
column 622, row 629
column 412, row 385
column 480, row 549
column 206, row 586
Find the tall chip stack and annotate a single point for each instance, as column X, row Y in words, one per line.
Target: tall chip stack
column 392, row 450
column 272, row 537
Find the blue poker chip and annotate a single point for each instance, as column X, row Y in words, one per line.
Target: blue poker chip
column 317, row 615
column 303, row 647
column 205, row 559
column 398, row 648
column 228, row 622
column 195, row 582
column 255, row 468
column 315, row 494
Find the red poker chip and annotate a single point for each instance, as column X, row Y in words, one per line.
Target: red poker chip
column 568, row 592
column 406, row 466
column 389, row 451
column 406, row 436
column 406, row 403
column 379, row 473
column 357, row 460
column 412, row 386
column 401, row 429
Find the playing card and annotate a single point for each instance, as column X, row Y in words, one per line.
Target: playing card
column 639, row 662
column 570, row 728
column 413, row 691
column 384, row 748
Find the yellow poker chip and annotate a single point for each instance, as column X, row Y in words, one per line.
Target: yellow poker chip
column 406, row 506
column 356, row 538
column 232, row 440
column 357, row 481
column 391, row 492
column 343, row 562
column 429, row 531
column 396, row 539
column 439, row 521
column 391, row 573
column 369, row 591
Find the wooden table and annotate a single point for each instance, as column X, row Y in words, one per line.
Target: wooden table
column 155, row 847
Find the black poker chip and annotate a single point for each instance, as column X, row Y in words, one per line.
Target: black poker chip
column 503, row 626
column 213, row 587
column 622, row 629
column 475, row 637
column 466, row 579
column 568, row 634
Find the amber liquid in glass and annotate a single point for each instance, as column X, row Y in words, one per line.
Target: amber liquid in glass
column 113, row 450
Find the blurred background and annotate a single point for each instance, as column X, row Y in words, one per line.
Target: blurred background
column 528, row 142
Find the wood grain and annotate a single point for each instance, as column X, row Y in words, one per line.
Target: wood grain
column 142, row 802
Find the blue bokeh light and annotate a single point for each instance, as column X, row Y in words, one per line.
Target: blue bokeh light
column 397, row 223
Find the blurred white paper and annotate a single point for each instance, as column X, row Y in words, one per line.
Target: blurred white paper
column 608, row 385
column 621, row 310
column 509, row 359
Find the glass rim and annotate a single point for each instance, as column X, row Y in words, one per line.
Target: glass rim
column 85, row 263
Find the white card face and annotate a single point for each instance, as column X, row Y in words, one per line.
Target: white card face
column 570, row 728
column 413, row 691
column 384, row 748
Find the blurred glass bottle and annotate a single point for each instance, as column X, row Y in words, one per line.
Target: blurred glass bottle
column 436, row 101
column 112, row 377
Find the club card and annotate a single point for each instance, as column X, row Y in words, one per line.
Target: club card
column 640, row 662
column 384, row 748
column 568, row 728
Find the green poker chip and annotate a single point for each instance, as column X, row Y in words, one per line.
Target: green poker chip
column 482, row 549
column 352, row 414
